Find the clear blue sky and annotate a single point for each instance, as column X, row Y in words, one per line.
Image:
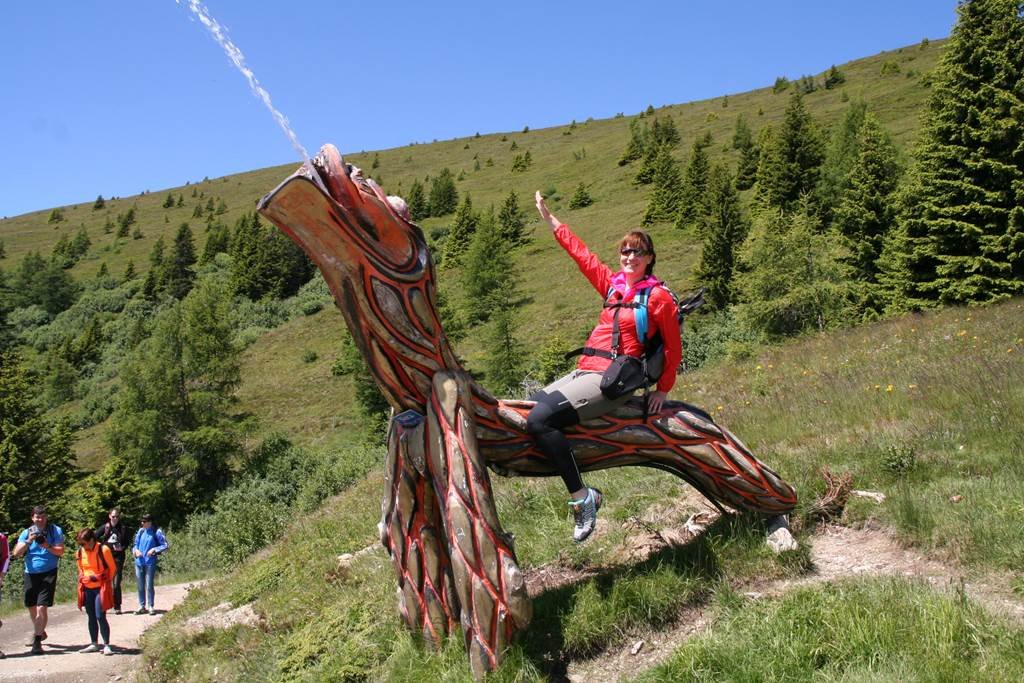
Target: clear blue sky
column 114, row 97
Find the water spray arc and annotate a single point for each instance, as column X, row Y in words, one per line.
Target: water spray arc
column 220, row 34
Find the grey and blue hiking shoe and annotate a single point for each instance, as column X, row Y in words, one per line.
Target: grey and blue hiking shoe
column 585, row 513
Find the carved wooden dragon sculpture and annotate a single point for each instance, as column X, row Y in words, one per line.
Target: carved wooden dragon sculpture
column 438, row 521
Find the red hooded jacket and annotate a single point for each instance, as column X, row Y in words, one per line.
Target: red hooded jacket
column 661, row 312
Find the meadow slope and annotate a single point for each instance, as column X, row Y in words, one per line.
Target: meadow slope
column 923, row 409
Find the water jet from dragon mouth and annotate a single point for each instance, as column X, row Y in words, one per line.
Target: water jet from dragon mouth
column 220, row 34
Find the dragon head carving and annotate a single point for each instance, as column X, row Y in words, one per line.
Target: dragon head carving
column 377, row 266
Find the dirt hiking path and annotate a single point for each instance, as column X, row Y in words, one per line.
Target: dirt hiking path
column 68, row 633
column 837, row 552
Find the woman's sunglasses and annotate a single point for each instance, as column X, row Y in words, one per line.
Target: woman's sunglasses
column 630, row 251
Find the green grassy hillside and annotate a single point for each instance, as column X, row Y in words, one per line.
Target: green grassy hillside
column 925, row 409
column 562, row 156
column 896, row 98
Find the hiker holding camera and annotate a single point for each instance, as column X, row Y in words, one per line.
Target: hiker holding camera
column 636, row 344
column 42, row 546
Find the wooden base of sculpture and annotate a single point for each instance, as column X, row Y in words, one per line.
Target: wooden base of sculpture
column 439, row 524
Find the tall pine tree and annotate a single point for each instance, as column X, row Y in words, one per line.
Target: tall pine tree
column 417, row 201
column 512, row 220
column 177, row 269
column 461, row 233
column 264, row 262
column 792, row 279
column 724, row 229
column 489, row 269
column 664, row 200
column 218, row 240
column 664, row 133
column 637, row 141
column 693, row 199
column 444, row 198
column 36, row 461
column 867, row 208
column 504, row 359
column 840, row 159
column 743, row 142
column 789, row 168
column 960, row 236
column 173, row 424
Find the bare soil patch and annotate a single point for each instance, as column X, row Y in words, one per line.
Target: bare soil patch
column 68, row 633
column 838, row 552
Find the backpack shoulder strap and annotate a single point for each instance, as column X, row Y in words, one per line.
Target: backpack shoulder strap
column 640, row 314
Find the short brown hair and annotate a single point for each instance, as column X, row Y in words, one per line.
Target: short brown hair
column 638, row 239
column 85, row 535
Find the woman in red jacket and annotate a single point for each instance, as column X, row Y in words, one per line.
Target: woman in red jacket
column 577, row 396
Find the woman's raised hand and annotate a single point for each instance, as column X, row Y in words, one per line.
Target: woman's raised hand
column 544, row 213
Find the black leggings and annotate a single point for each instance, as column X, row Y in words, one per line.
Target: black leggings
column 97, row 616
column 552, row 413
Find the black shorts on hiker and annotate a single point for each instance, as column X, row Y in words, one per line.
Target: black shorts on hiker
column 39, row 589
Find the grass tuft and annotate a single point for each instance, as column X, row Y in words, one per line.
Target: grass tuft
column 868, row 629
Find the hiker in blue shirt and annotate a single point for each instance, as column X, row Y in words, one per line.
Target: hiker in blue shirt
column 149, row 543
column 42, row 545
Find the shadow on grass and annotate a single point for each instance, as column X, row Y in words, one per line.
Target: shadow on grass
column 545, row 642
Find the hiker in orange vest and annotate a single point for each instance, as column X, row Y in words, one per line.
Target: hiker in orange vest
column 96, row 570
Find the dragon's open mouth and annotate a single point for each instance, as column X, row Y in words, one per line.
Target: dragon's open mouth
column 346, row 184
column 371, row 220
column 339, row 180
